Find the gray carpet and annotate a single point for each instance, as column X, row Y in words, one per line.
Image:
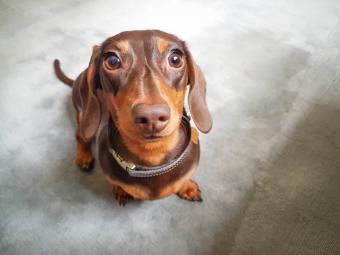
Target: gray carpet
column 270, row 168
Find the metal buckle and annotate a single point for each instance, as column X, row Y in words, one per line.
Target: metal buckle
column 124, row 164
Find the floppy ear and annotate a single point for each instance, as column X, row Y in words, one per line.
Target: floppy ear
column 91, row 113
column 197, row 95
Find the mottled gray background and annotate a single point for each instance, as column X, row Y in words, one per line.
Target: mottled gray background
column 270, row 169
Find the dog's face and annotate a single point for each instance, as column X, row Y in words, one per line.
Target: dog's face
column 143, row 76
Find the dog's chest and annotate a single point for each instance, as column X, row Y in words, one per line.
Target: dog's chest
column 147, row 187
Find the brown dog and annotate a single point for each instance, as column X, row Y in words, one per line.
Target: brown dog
column 138, row 79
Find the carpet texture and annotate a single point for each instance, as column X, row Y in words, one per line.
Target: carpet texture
column 270, row 168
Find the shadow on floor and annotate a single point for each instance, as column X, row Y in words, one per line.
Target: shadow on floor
column 294, row 208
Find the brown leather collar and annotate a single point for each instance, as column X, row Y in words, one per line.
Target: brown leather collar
column 145, row 171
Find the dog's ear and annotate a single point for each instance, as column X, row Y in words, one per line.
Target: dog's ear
column 91, row 113
column 197, row 95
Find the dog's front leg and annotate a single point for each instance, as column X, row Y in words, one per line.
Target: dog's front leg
column 84, row 157
column 190, row 191
column 121, row 196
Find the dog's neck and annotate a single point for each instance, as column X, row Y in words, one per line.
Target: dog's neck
column 152, row 154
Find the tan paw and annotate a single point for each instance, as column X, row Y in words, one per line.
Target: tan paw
column 85, row 160
column 190, row 191
column 121, row 196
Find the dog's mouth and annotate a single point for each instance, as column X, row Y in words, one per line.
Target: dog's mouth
column 152, row 137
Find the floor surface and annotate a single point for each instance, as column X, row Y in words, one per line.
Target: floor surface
column 270, row 168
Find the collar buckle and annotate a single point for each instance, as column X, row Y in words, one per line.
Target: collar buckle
column 124, row 164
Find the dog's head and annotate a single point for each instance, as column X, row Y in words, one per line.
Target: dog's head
column 143, row 76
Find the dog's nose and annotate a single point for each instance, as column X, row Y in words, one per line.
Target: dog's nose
column 151, row 118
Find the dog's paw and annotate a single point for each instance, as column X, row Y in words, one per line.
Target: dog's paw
column 121, row 196
column 85, row 160
column 190, row 191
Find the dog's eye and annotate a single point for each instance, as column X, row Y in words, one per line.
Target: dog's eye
column 114, row 61
column 175, row 59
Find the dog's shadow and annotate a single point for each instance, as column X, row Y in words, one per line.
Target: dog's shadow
column 70, row 183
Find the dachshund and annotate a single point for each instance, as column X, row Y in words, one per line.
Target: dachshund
column 131, row 99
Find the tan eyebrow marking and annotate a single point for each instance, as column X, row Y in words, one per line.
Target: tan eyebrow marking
column 162, row 45
column 123, row 46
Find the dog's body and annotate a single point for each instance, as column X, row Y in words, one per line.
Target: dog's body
column 138, row 79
